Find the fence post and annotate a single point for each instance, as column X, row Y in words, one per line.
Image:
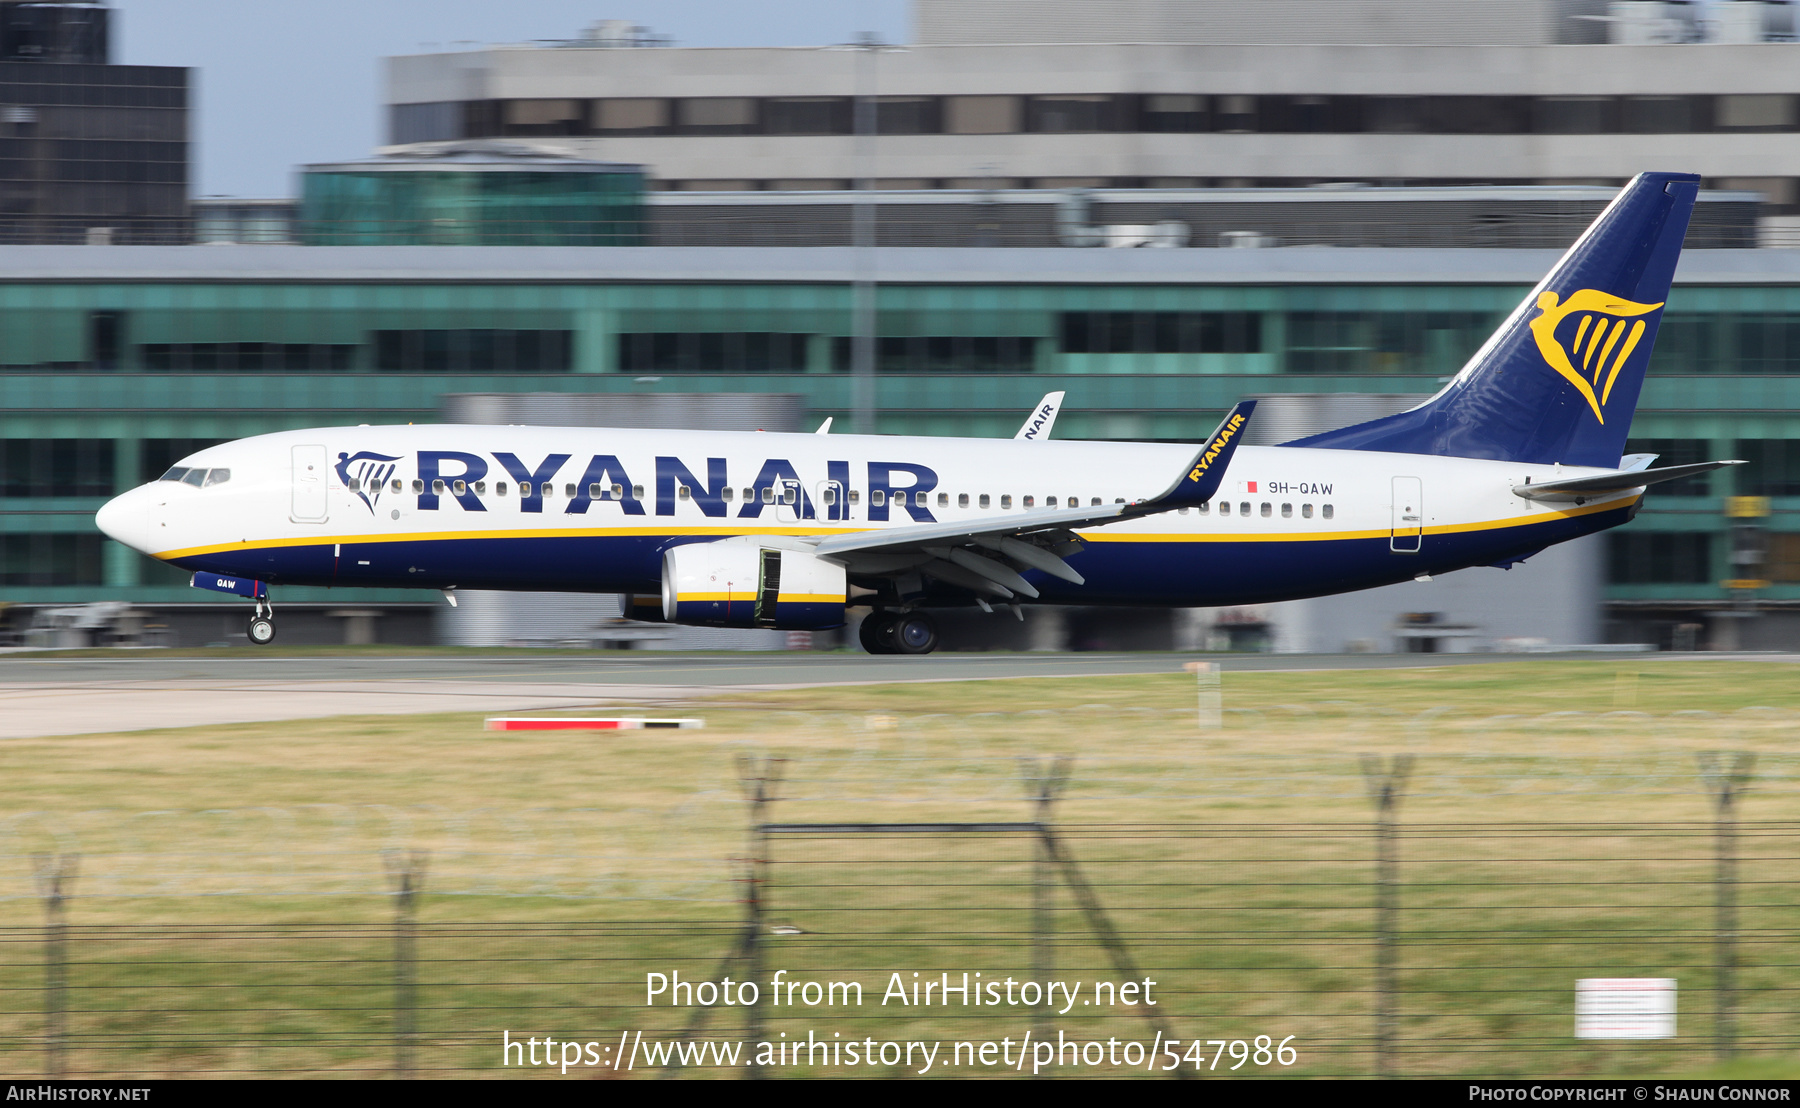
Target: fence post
column 1386, row 780
column 1044, row 782
column 1211, row 714
column 1726, row 783
column 407, row 873
column 759, row 779
column 55, row 878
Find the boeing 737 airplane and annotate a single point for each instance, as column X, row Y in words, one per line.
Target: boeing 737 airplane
column 1522, row 449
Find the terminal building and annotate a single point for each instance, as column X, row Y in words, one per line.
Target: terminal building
column 121, row 360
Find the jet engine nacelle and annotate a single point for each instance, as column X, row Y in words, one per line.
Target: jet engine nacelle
column 737, row 584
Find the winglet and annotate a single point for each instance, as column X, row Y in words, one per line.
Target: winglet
column 1042, row 418
column 825, row 428
column 1203, row 475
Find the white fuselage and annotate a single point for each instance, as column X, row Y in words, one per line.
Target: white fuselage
column 442, row 506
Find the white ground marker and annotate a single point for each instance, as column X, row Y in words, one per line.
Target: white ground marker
column 1212, row 703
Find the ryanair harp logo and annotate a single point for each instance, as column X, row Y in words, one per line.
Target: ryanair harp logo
column 1604, row 335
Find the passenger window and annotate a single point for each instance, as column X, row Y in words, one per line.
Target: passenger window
column 458, row 487
column 1119, row 500
column 418, row 485
column 1243, row 507
column 943, row 500
column 569, row 490
column 900, row 498
column 855, row 496
column 749, row 496
column 1006, row 500
column 499, row 488
column 1224, row 507
column 1287, row 511
column 595, row 492
column 618, row 492
column 637, row 491
column 546, row 490
column 877, row 497
column 984, row 500
column 1183, row 509
column 790, row 495
column 727, row 494
column 768, row 495
column 1094, row 503
column 962, row 500
column 1049, row 501
column 682, row 492
column 1306, row 511
column 1325, row 511
column 1265, row 509
column 829, row 496
column 524, row 488
column 1206, row 508
column 194, row 477
column 437, row 486
column 353, row 485
column 397, row 485
column 1026, row 503
column 480, row 487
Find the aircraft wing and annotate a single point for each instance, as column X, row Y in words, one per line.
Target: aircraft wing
column 1036, row 539
column 1581, row 489
column 1037, row 425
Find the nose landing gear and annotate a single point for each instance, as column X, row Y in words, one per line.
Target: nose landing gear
column 262, row 624
column 899, row 633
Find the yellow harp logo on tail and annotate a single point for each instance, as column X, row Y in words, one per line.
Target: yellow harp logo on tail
column 1604, row 337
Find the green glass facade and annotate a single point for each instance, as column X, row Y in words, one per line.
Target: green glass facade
column 106, row 381
column 382, row 206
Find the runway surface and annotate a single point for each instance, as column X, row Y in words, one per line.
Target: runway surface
column 47, row 695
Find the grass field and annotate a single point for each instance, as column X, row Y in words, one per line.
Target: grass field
column 1555, row 825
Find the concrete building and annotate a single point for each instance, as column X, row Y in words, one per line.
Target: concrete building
column 1159, row 94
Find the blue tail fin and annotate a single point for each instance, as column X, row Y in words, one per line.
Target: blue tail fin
column 1559, row 381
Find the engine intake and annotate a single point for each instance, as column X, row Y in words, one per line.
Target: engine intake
column 734, row 584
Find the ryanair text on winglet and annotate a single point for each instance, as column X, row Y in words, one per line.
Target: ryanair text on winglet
column 1218, row 444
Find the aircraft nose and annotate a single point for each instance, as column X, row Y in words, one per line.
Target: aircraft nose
column 126, row 519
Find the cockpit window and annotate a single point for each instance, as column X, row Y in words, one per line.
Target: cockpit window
column 200, row 478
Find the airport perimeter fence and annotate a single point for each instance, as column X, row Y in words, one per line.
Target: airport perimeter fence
column 1419, row 912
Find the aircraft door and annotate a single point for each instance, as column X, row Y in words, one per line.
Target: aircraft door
column 1409, row 516
column 311, row 485
column 789, row 501
column 830, row 504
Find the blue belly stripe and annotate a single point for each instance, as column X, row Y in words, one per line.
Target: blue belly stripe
column 1173, row 574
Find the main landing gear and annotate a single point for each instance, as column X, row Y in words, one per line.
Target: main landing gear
column 262, row 624
column 899, row 633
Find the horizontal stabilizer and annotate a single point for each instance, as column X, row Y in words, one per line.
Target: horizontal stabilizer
column 1582, row 489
